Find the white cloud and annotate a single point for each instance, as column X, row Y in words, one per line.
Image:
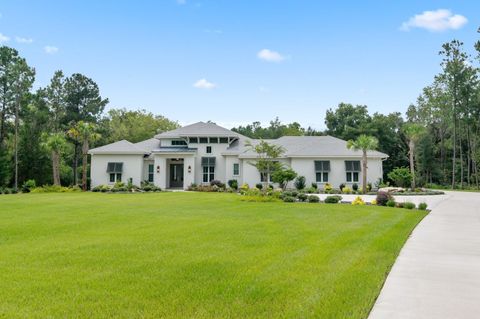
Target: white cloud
column 181, row 1
column 3, row 38
column 435, row 21
column 270, row 56
column 204, row 84
column 50, row 49
column 24, row 40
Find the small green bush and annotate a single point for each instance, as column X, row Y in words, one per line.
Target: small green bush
column 313, row 199
column 391, row 203
column 422, row 206
column 311, row 190
column 289, row 199
column 300, row 182
column 409, row 205
column 28, row 186
column 355, row 187
column 302, row 197
column 400, row 176
column 341, row 187
column 333, row 199
column 233, row 183
column 314, row 185
column 259, row 186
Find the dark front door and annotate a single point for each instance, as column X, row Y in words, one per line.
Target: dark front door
column 176, row 175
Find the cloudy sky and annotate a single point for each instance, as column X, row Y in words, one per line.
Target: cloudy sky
column 234, row 62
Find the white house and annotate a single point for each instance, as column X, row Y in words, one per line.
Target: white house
column 202, row 152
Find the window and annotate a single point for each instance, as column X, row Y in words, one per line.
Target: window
column 115, row 177
column 352, row 169
column 114, row 169
column 213, row 139
column 209, row 149
column 208, row 169
column 224, row 140
column 263, row 177
column 179, row 142
column 236, row 169
column 203, row 140
column 150, row 173
column 322, row 168
column 193, row 139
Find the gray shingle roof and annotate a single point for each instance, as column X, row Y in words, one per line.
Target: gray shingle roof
column 148, row 145
column 120, row 147
column 306, row 146
column 198, row 129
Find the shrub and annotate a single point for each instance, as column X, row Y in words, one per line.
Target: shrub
column 383, row 198
column 233, row 183
column 327, row 188
column 355, row 187
column 289, row 199
column 369, row 187
column 302, row 197
column 422, row 206
column 28, row 186
column 346, row 190
column 409, row 205
column 313, row 199
column 259, row 186
column 401, row 205
column 217, row 183
column 300, row 182
column 244, row 187
column 286, row 193
column 358, row 201
column 373, row 202
column 283, row 176
column 311, row 190
column 391, row 203
column 333, row 199
column 314, row 185
column 54, row 189
column 400, row 176
column 341, row 187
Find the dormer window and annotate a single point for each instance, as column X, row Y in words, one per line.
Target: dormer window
column 224, row 140
column 193, row 139
column 203, row 140
column 213, row 139
column 179, row 143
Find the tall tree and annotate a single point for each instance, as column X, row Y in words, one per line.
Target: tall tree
column 84, row 133
column 83, row 103
column 413, row 132
column 55, row 143
column 364, row 143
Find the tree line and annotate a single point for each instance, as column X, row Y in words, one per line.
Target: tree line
column 46, row 133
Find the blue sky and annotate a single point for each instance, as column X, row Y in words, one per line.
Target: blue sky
column 234, row 62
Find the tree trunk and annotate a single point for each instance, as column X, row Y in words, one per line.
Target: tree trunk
column 364, row 175
column 411, row 146
column 75, row 163
column 17, row 106
column 84, row 165
column 56, row 167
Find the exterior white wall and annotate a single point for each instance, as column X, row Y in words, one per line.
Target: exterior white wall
column 220, row 162
column 229, row 161
column 132, row 168
column 161, row 175
column 145, row 169
column 337, row 175
column 251, row 176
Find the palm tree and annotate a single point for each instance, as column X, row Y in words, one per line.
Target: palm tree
column 84, row 133
column 364, row 143
column 413, row 132
column 55, row 143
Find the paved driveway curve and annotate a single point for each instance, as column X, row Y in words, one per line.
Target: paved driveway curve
column 437, row 274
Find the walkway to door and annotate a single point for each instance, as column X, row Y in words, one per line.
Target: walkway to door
column 437, row 274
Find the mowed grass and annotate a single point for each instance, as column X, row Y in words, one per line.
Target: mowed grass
column 192, row 255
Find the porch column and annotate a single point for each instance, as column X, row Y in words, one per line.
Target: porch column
column 160, row 172
column 188, row 171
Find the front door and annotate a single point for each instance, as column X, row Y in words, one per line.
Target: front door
column 176, row 175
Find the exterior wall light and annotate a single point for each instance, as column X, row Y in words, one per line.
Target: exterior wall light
column 158, row 168
column 189, row 169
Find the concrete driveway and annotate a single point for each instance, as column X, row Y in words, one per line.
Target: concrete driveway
column 437, row 274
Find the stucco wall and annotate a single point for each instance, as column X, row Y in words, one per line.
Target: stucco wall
column 337, row 174
column 132, row 168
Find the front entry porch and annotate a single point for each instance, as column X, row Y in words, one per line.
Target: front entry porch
column 176, row 174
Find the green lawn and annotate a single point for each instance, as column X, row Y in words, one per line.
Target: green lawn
column 192, row 255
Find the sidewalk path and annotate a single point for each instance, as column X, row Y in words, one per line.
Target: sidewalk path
column 437, row 274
